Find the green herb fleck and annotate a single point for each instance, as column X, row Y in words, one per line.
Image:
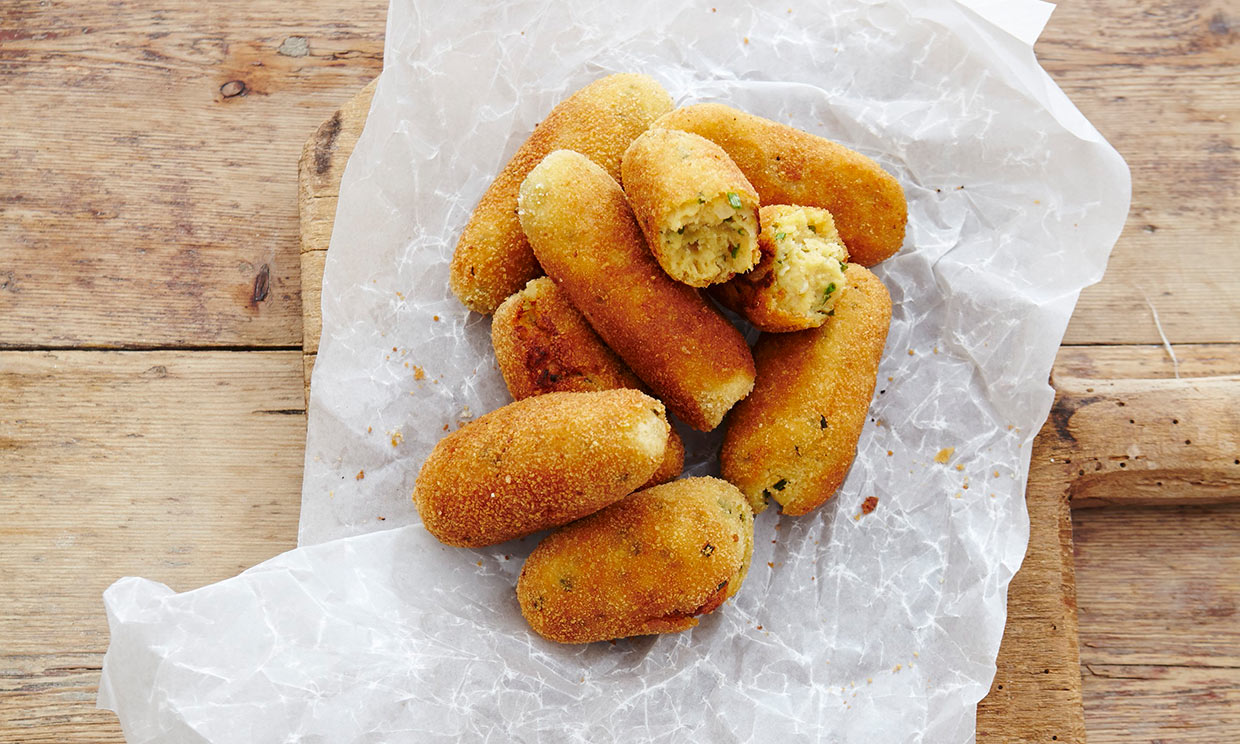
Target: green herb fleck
column 708, row 550
column 822, row 421
column 779, row 486
column 826, row 295
column 843, row 266
column 701, row 200
column 734, row 200
column 741, row 231
column 735, row 248
column 566, row 583
column 812, row 228
column 831, row 313
column 681, row 231
column 780, row 235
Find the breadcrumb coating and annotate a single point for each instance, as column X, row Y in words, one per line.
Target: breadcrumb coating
column 539, row 463
column 544, row 345
column 493, row 258
column 695, row 207
column 585, row 236
column 795, row 437
column 651, row 563
column 789, row 166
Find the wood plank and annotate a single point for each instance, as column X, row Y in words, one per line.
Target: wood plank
column 1144, row 441
column 149, row 192
column 1160, row 641
column 104, row 475
column 320, row 170
column 1161, row 80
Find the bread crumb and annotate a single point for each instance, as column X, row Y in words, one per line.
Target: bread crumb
column 361, row 474
column 418, row 373
column 960, row 466
column 898, row 667
column 890, row 453
column 397, row 438
column 435, row 318
column 910, row 352
column 944, row 455
column 770, row 565
column 369, row 429
column 869, row 505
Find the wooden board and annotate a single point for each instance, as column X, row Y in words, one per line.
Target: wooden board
column 139, row 202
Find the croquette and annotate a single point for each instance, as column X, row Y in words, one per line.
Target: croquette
column 539, row 463
column 794, row 438
column 789, row 166
column 493, row 258
column 800, row 277
column 584, row 234
column 543, row 345
column 651, row 563
column 695, row 207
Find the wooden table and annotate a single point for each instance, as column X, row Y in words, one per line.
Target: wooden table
column 151, row 414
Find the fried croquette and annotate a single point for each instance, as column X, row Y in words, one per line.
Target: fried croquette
column 648, row 564
column 800, row 277
column 585, row 236
column 493, row 258
column 789, row 166
column 543, row 345
column 695, row 207
column 539, row 463
column 796, row 436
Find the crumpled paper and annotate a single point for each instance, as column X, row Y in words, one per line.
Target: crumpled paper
column 851, row 627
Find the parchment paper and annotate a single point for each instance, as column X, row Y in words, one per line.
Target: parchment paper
column 850, row 627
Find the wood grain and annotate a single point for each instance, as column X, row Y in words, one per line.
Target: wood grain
column 148, row 196
column 105, row 475
column 1161, row 80
column 144, row 189
column 1160, row 636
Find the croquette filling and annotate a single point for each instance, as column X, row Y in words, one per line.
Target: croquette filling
column 809, row 264
column 711, row 239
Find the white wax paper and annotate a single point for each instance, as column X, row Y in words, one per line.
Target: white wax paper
column 850, row 627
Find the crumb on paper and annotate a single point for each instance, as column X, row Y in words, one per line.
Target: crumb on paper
column 435, row 318
column 959, row 495
column 397, row 438
column 369, row 429
column 869, row 505
column 911, row 352
column 898, row 667
column 382, row 519
column 445, row 427
column 759, row 627
column 479, row 564
column 418, row 373
column 944, row 455
column 996, row 473
column 959, row 466
column 890, row 453
column 746, row 39
column 400, row 295
column 331, row 494
column 770, row 565
column 361, row 475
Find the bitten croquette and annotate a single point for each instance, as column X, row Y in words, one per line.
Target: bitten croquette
column 789, row 166
column 584, row 234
